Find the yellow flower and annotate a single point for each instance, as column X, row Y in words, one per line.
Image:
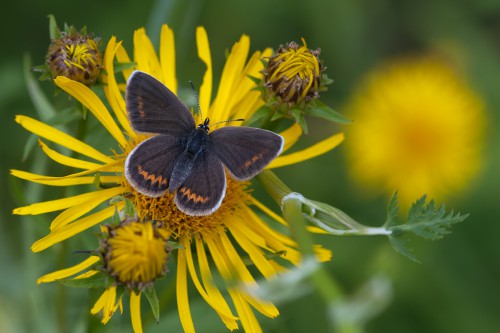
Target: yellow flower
column 418, row 128
column 234, row 222
column 134, row 254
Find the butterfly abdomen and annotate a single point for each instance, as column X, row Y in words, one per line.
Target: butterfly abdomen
column 182, row 169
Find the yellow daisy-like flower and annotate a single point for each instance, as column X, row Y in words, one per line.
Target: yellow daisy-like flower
column 234, row 222
column 134, row 255
column 418, row 128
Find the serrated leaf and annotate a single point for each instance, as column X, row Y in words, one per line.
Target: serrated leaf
column 153, row 301
column 98, row 280
column 426, row 221
column 392, row 211
column 325, row 112
column 129, row 207
column 400, row 245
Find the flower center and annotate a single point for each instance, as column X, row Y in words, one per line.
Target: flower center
column 136, row 254
column 293, row 73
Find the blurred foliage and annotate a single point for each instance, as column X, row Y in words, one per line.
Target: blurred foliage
column 455, row 289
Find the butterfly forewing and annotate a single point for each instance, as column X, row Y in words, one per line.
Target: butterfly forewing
column 204, row 189
column 245, row 151
column 153, row 108
column 149, row 166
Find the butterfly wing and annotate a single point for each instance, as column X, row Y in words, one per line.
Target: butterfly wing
column 148, row 167
column 205, row 187
column 245, row 151
column 153, row 108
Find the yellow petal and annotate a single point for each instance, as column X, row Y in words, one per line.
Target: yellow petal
column 67, row 272
column 55, row 205
column 247, row 317
column 66, row 160
column 86, row 275
column 291, row 135
column 112, row 91
column 145, row 55
column 75, row 228
column 308, row 153
column 92, row 102
column 135, row 312
column 255, row 253
column 205, row 56
column 234, row 65
column 114, row 166
column 63, row 139
column 167, row 57
column 62, row 181
column 212, row 296
column 182, row 293
column 243, row 101
column 71, row 214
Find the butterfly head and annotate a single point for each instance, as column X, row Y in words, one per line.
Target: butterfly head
column 205, row 126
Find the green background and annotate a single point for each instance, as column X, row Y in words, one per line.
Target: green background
column 454, row 289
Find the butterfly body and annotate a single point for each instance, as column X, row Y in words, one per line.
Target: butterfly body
column 186, row 159
column 195, row 145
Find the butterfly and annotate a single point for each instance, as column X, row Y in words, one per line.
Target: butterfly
column 186, row 159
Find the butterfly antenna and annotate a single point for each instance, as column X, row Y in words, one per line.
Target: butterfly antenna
column 197, row 99
column 228, row 121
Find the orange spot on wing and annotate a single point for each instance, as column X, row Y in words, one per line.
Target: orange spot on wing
column 193, row 196
column 140, row 105
column 152, row 177
column 251, row 161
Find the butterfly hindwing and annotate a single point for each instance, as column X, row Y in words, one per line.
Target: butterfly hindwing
column 153, row 108
column 148, row 167
column 205, row 187
column 245, row 151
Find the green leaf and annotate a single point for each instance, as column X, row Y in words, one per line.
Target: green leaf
column 428, row 221
column 425, row 220
column 54, row 31
column 42, row 105
column 98, row 280
column 260, row 117
column 28, row 147
column 392, row 211
column 121, row 66
column 400, row 244
column 325, row 112
column 268, row 255
column 298, row 115
column 153, row 301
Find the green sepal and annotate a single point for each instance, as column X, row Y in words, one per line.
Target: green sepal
column 174, row 245
column 121, row 66
column 54, row 31
column 129, row 209
column 255, row 80
column 98, row 280
column 268, row 255
column 260, row 117
column 323, row 111
column 298, row 115
column 153, row 301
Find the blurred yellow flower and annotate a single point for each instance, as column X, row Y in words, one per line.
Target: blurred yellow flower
column 418, row 128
